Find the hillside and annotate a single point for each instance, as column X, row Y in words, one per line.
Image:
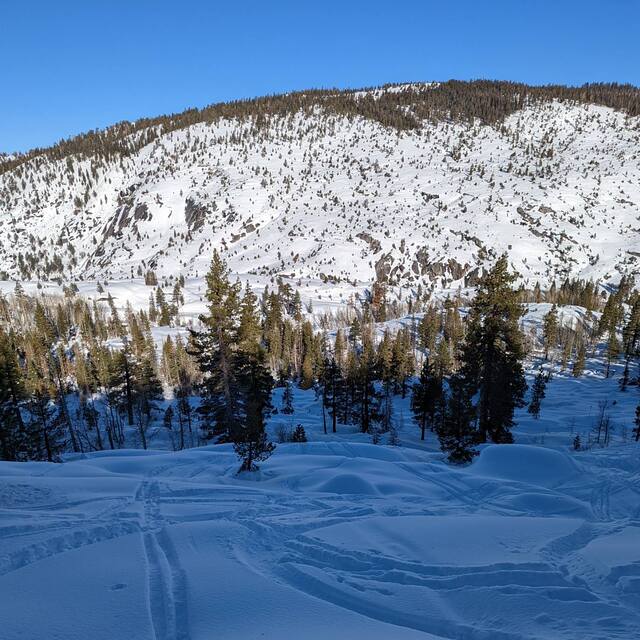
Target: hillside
column 413, row 183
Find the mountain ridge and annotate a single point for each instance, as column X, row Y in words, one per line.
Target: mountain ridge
column 409, row 183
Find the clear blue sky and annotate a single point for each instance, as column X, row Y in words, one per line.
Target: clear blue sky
column 69, row 66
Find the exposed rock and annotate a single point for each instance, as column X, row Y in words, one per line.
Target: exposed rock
column 374, row 244
column 195, row 214
column 383, row 267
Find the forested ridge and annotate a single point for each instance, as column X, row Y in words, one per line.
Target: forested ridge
column 404, row 108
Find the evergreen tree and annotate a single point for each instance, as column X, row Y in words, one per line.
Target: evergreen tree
column 367, row 399
column 13, row 445
column 613, row 350
column 631, row 331
column 214, row 348
column 550, row 331
column 153, row 312
column 46, row 435
column 299, row 434
column 164, row 313
column 287, row 399
column 167, row 418
column 249, row 329
column 339, row 348
column 428, row 329
column 147, row 392
column 123, row 377
column 402, row 360
column 443, row 362
column 579, row 362
column 493, row 353
column 309, row 357
column 636, row 428
column 426, row 398
column 250, row 438
column 538, row 393
column 456, row 433
column 333, row 383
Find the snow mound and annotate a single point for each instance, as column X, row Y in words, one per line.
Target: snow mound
column 347, row 483
column 525, row 463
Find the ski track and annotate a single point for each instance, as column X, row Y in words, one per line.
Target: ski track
column 167, row 585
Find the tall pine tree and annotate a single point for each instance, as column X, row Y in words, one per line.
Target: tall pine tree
column 493, row 353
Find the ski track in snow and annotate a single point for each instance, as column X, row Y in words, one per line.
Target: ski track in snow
column 167, row 589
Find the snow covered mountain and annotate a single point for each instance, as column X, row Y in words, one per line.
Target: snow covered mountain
column 339, row 187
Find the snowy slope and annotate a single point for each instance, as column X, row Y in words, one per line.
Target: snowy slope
column 336, row 537
column 317, row 195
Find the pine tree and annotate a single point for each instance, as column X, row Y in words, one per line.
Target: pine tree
column 333, row 384
column 403, row 362
column 624, row 381
column 456, row 433
column 273, row 328
column 249, row 329
column 46, row 435
column 214, row 350
column 579, row 362
column 167, row 418
column 631, row 331
column 13, row 445
column 250, row 440
column 287, row 399
column 428, row 329
column 493, row 353
column 613, row 350
column 550, row 331
column 355, row 331
column 426, row 398
column 299, row 434
column 164, row 313
column 367, row 399
column 123, row 376
column 147, row 392
column 537, row 395
column 443, row 362
column 296, row 307
column 153, row 312
column 339, row 348
column 636, row 428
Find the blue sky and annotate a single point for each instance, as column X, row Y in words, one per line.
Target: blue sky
column 72, row 66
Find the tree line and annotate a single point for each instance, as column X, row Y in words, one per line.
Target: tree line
column 487, row 101
column 79, row 376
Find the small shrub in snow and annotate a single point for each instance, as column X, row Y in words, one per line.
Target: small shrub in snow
column 299, row 434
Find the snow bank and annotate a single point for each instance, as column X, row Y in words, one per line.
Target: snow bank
column 525, row 463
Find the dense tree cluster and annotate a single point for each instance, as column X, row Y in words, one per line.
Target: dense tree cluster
column 79, row 375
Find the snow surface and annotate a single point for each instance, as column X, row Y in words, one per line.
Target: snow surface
column 337, row 537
